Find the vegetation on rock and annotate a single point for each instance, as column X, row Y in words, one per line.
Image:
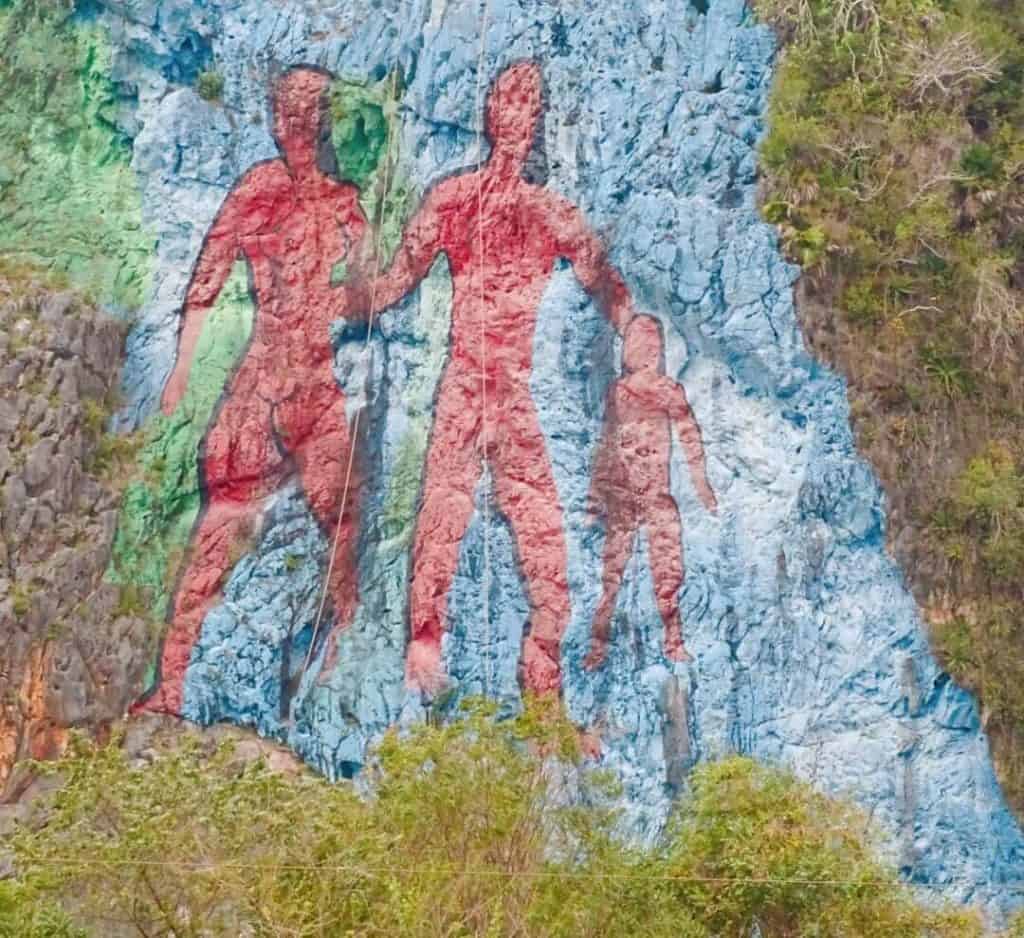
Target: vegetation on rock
column 24, row 915
column 71, row 643
column 469, row 833
column 69, row 202
column 894, row 167
column 210, row 85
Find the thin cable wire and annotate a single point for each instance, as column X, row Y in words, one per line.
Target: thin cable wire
column 488, row 651
column 354, row 434
column 201, row 866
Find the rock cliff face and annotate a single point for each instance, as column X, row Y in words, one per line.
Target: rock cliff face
column 72, row 647
column 626, row 186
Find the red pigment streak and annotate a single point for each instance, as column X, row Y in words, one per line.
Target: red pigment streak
column 631, row 486
column 502, row 236
column 282, row 410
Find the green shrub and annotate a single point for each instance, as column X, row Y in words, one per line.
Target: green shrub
column 115, row 458
column 750, row 841
column 946, row 368
column 94, row 417
column 980, row 161
column 988, row 500
column 21, row 599
column 23, row 914
column 210, row 85
column 469, row 833
column 861, row 302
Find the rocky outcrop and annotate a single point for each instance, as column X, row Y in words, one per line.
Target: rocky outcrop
column 72, row 645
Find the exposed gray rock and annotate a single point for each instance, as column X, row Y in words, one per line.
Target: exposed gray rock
column 69, row 658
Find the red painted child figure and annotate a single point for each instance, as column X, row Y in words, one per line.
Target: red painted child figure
column 282, row 409
column 631, row 484
column 502, row 235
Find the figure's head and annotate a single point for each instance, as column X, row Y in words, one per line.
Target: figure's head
column 643, row 346
column 513, row 107
column 300, row 113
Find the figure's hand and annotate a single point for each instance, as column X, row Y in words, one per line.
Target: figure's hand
column 675, row 650
column 594, row 508
column 353, row 302
column 598, row 653
column 707, row 496
column 174, row 390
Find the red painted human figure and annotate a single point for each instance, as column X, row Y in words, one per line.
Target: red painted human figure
column 502, row 236
column 631, row 488
column 282, row 409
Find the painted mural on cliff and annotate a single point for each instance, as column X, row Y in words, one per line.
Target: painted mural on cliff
column 282, row 409
column 542, row 547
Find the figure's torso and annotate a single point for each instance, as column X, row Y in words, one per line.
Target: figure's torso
column 639, row 440
column 304, row 228
column 501, row 256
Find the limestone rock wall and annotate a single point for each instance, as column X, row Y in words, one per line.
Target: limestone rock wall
column 72, row 654
column 493, row 413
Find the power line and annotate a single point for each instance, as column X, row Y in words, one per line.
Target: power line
column 201, row 866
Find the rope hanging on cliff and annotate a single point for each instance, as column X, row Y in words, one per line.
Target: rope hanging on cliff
column 365, row 351
column 483, row 366
column 486, row 586
column 203, row 868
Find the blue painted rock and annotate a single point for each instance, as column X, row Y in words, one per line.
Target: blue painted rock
column 513, row 481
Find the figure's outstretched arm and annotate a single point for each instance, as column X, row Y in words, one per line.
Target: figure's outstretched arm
column 369, row 291
column 218, row 254
column 689, row 435
column 583, row 249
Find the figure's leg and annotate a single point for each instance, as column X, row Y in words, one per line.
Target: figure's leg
column 527, row 496
column 452, row 471
column 665, row 536
column 240, row 465
column 620, row 534
column 316, row 426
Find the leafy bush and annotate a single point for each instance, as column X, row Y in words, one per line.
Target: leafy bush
column 981, row 526
column 114, row 458
column 23, row 914
column 21, row 600
column 470, row 832
column 753, row 845
column 94, row 417
column 980, row 161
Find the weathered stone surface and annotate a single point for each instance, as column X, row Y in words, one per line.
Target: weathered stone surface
column 68, row 658
column 806, row 648
column 798, row 622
